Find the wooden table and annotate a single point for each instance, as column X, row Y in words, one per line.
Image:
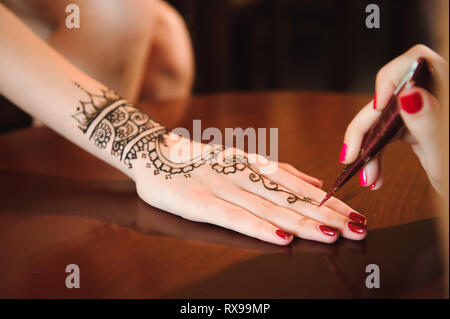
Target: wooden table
column 60, row 206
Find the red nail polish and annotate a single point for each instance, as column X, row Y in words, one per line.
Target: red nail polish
column 357, row 218
column 343, row 153
column 372, row 186
column 411, row 103
column 282, row 234
column 362, row 178
column 356, row 228
column 327, row 230
column 375, row 101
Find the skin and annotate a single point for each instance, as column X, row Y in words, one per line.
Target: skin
column 233, row 201
column 424, row 132
column 153, row 56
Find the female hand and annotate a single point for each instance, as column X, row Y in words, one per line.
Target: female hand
column 224, row 188
column 227, row 187
column 420, row 111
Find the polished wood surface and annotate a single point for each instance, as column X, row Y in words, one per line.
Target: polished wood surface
column 60, row 206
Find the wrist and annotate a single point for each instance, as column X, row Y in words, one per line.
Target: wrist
column 121, row 133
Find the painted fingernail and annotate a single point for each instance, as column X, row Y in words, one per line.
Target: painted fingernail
column 343, row 153
column 327, row 230
column 411, row 103
column 282, row 234
column 375, row 101
column 362, row 178
column 357, row 217
column 356, row 228
column 372, row 186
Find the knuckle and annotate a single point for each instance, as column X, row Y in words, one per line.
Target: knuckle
column 267, row 207
column 333, row 218
column 168, row 16
column 302, row 221
column 263, row 212
column 419, row 48
column 259, row 226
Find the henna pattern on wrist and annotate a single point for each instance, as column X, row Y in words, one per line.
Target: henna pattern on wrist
column 114, row 124
column 119, row 127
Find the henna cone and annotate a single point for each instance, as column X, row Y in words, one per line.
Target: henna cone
column 386, row 127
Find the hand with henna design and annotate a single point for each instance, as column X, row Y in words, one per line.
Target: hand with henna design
column 228, row 191
column 211, row 184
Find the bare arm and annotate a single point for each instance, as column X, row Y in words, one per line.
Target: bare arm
column 44, row 84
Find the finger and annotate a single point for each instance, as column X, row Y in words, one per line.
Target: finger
column 392, row 73
column 307, row 178
column 152, row 220
column 370, row 172
column 356, row 130
column 386, row 82
column 201, row 205
column 288, row 198
column 420, row 111
column 225, row 214
column 297, row 186
column 286, row 219
column 261, row 163
column 377, row 184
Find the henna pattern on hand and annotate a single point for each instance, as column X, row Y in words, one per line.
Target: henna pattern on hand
column 114, row 124
column 234, row 163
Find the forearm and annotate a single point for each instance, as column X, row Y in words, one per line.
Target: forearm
column 44, row 84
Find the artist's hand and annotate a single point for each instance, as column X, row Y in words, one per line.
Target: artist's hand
column 229, row 189
column 420, row 111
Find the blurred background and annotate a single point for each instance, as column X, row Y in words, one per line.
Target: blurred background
column 242, row 45
column 299, row 44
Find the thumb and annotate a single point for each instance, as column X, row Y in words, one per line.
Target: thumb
column 420, row 112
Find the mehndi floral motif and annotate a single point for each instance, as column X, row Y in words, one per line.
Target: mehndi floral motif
column 113, row 123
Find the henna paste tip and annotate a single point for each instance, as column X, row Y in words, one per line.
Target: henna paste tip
column 327, row 196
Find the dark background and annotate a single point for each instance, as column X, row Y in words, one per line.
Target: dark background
column 299, row 44
column 291, row 44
